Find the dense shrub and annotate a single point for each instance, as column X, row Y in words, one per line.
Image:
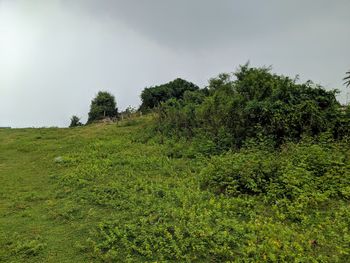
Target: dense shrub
column 153, row 238
column 306, row 170
column 241, row 173
column 256, row 104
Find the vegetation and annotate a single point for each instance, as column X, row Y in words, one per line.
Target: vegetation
column 256, row 105
column 347, row 79
column 152, row 97
column 251, row 169
column 102, row 106
column 75, row 122
column 117, row 194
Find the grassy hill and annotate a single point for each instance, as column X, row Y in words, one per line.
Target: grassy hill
column 107, row 192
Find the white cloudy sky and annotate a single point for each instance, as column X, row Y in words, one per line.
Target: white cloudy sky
column 55, row 55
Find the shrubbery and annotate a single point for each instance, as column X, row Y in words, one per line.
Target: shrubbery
column 306, row 170
column 251, row 169
column 256, row 104
column 241, row 173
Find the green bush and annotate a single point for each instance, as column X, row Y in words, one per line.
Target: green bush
column 255, row 103
column 152, row 238
column 240, row 173
column 314, row 172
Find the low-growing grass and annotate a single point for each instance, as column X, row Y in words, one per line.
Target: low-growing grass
column 113, row 193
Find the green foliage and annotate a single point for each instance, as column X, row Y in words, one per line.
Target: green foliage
column 102, row 106
column 27, row 248
column 152, row 97
column 256, row 104
column 311, row 171
column 347, row 79
column 241, row 173
column 75, row 122
column 153, row 238
column 177, row 116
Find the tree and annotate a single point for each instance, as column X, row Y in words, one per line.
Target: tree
column 102, row 106
column 347, row 79
column 153, row 96
column 75, row 122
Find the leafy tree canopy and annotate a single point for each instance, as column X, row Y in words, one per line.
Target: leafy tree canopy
column 102, row 106
column 152, row 97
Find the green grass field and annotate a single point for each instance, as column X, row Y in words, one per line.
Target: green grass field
column 113, row 195
column 45, row 219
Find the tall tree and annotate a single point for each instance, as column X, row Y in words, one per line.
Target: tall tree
column 102, row 106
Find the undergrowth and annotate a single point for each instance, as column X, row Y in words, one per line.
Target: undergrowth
column 256, row 204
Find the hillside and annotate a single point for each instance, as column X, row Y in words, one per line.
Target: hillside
column 110, row 192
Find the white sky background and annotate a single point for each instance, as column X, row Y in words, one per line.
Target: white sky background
column 55, row 55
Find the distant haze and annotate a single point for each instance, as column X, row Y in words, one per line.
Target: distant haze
column 55, row 55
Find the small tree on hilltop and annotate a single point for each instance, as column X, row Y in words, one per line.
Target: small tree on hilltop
column 75, row 122
column 102, row 106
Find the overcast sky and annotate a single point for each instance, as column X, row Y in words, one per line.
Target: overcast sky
column 55, row 55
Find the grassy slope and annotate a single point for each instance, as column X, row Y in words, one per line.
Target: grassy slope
column 26, row 164
column 115, row 198
column 38, row 220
